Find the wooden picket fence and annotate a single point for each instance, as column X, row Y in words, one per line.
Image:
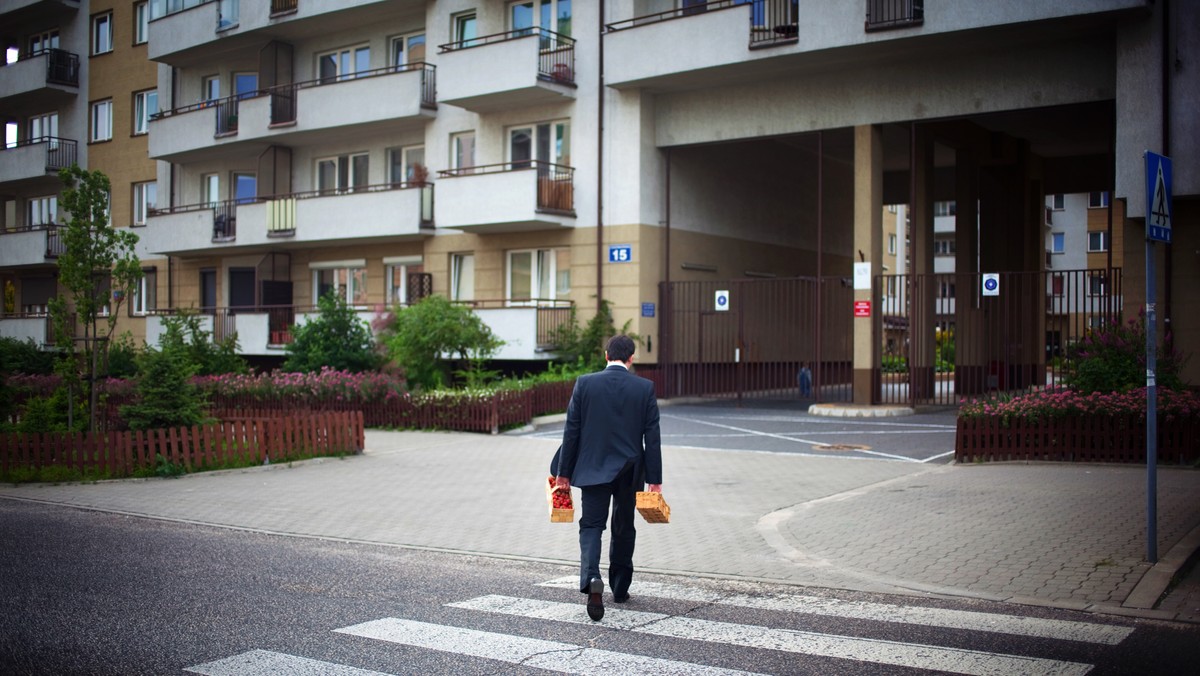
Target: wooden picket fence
column 244, row 440
column 1075, row 439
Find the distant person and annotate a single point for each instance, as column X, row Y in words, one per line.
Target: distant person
column 611, row 447
column 804, row 379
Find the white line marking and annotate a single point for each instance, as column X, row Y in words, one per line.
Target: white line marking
column 938, row 456
column 794, row 439
column 876, row 651
column 564, row 658
column 265, row 663
column 1063, row 630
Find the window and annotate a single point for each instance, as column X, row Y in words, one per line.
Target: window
column 210, row 189
column 102, row 33
column 245, row 187
column 462, row 150
column 145, row 196
column 1096, row 285
column 462, row 277
column 463, row 29
column 145, row 296
column 406, row 165
column 943, row 247
column 42, row 41
column 245, row 85
column 1058, row 202
column 946, row 290
column 343, row 173
column 537, row 276
column 943, row 208
column 43, row 211
column 210, row 88
column 102, row 121
column 1057, row 242
column 892, row 245
column 1097, row 200
column 1056, row 285
column 1097, row 241
column 42, row 126
column 397, row 280
column 348, row 283
column 145, row 104
column 343, row 64
column 141, row 23
column 407, row 49
column 550, row 15
column 547, row 142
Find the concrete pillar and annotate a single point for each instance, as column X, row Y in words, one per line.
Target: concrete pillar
column 868, row 246
column 970, row 374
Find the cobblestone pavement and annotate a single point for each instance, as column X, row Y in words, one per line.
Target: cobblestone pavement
column 1068, row 536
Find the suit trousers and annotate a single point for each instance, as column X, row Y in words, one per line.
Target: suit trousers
column 622, row 494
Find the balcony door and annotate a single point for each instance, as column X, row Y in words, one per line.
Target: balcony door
column 43, row 126
column 41, row 42
column 408, row 49
column 549, row 142
column 208, row 291
column 241, row 289
column 344, row 63
column 550, row 15
column 538, row 277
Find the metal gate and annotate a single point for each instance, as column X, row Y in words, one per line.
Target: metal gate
column 944, row 337
column 755, row 342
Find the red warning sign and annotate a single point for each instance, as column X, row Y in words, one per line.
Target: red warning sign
column 862, row 308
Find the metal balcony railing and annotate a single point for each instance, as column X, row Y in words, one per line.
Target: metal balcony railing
column 60, row 152
column 283, row 97
column 556, row 52
column 284, row 6
column 555, row 182
column 161, row 8
column 552, row 314
column 62, row 67
column 772, row 22
column 884, row 14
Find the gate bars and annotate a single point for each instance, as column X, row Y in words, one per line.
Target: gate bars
column 756, row 347
column 942, row 339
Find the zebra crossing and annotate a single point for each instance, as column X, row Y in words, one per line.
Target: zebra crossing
column 572, row 658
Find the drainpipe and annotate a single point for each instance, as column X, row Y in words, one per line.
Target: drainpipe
column 600, row 168
column 816, row 384
column 1168, row 337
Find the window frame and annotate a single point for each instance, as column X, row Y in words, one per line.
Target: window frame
column 102, row 32
column 143, row 201
column 398, row 295
column 355, row 280
column 405, row 164
column 458, row 263
column 457, row 25
column 343, row 164
column 145, row 295
column 46, row 208
column 1101, row 203
column 141, row 23
column 456, row 155
column 141, row 120
column 341, row 56
column 1058, row 242
column 94, row 108
column 399, row 58
column 559, row 138
column 1103, row 235
column 1058, row 202
column 539, row 258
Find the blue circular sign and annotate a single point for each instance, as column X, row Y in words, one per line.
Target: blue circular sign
column 990, row 284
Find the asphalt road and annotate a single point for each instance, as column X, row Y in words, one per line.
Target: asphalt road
column 780, row 426
column 99, row 593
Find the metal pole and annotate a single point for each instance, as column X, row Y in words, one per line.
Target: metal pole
column 1151, row 415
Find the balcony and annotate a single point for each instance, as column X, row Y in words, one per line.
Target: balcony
column 526, row 67
column 34, row 163
column 511, row 197
column 365, row 215
column 886, row 14
column 44, row 80
column 45, row 12
column 25, row 326
column 186, row 32
column 37, row 245
column 261, row 330
column 386, row 99
column 526, row 326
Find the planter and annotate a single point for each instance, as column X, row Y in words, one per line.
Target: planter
column 1075, row 438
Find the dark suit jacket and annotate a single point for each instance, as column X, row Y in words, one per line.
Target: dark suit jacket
column 612, row 421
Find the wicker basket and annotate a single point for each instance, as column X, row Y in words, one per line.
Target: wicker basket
column 558, row 515
column 653, row 508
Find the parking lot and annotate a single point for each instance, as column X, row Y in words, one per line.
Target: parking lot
column 775, row 426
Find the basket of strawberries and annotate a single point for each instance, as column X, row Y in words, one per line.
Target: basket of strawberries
column 562, row 509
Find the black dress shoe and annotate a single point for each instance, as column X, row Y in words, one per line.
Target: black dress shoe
column 620, row 599
column 595, row 602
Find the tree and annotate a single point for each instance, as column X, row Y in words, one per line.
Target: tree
column 426, row 332
column 208, row 356
column 98, row 270
column 167, row 395
column 336, row 338
column 585, row 346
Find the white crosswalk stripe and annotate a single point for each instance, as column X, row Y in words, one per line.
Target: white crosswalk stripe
column 875, row 651
column 529, row 652
column 1063, row 630
column 565, row 657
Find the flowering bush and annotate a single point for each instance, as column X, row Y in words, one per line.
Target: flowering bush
column 310, row 388
column 1112, row 358
column 1062, row 402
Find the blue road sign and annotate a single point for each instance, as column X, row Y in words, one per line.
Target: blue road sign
column 647, row 309
column 1158, row 197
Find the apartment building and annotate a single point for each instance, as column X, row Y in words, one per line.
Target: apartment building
column 530, row 156
column 76, row 87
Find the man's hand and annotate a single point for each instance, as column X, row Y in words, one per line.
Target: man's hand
column 562, row 483
column 656, row 488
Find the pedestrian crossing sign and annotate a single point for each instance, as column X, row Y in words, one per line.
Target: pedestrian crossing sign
column 1158, row 197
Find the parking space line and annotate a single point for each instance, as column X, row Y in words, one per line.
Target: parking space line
column 798, row 440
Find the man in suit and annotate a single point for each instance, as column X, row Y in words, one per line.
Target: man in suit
column 611, row 447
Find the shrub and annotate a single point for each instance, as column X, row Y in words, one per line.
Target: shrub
column 24, row 356
column 327, row 385
column 1112, row 358
column 208, row 356
column 167, row 396
column 336, row 338
column 585, row 346
column 423, row 334
column 1061, row 402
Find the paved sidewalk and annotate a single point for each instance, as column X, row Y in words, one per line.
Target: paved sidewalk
column 1068, row 536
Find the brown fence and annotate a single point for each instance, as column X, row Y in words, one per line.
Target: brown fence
column 1075, row 439
column 209, row 446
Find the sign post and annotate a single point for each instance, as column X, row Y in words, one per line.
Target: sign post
column 1158, row 229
